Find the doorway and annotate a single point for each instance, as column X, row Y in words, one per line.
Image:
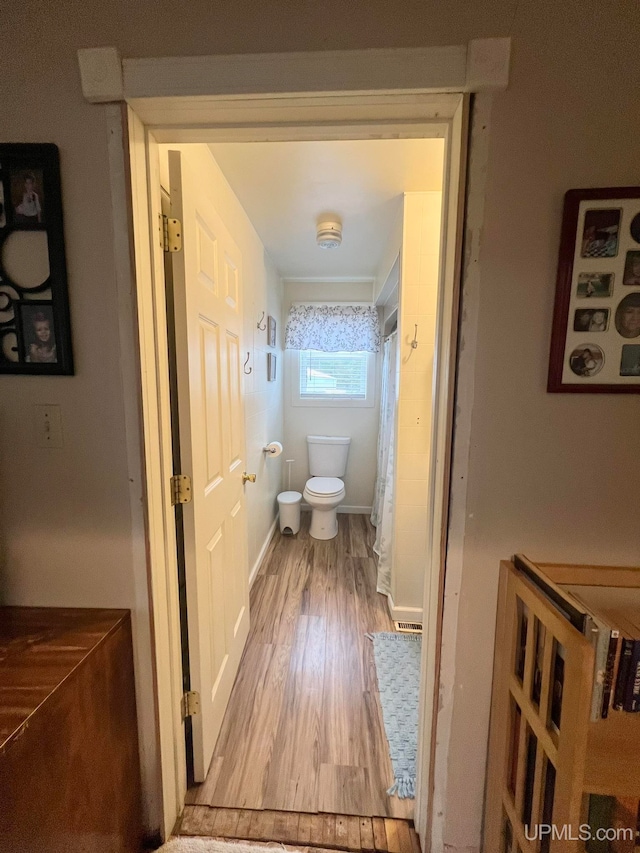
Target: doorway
column 314, row 740
column 453, row 131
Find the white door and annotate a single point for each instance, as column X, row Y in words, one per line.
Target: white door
column 207, row 280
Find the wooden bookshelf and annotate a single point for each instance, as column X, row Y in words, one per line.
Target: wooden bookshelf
column 539, row 772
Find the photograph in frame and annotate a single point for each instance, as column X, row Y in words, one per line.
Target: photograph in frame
column 271, row 367
column 596, row 316
column 631, row 274
column 586, row 360
column 271, row 331
column 600, row 233
column 591, row 320
column 594, row 285
column 27, row 197
column 627, row 316
column 630, row 361
column 38, row 333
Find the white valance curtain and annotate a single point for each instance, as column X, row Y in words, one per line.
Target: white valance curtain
column 382, row 514
column 333, row 328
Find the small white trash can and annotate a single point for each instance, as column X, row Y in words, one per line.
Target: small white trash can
column 289, row 506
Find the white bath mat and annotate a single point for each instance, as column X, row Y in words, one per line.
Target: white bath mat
column 397, row 658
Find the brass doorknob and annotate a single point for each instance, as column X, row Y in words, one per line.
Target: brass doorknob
column 248, row 478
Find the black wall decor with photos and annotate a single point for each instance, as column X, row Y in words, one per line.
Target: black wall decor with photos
column 35, row 335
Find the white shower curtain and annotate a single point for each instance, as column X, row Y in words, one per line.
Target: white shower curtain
column 382, row 514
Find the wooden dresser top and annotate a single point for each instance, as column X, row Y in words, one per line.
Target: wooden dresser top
column 39, row 648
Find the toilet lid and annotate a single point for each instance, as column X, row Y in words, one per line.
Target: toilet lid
column 324, row 486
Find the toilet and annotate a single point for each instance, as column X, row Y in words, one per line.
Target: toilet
column 324, row 491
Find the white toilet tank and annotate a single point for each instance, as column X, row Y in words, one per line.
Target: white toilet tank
column 328, row 455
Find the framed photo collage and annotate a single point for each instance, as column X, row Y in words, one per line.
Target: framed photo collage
column 595, row 344
column 34, row 307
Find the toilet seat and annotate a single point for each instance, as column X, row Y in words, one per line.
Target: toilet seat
column 324, row 487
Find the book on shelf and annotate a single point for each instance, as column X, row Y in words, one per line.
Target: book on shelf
column 609, row 618
column 624, row 667
column 615, row 611
column 632, row 697
column 627, row 696
column 611, row 671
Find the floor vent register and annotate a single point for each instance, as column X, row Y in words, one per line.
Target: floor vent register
column 409, row 627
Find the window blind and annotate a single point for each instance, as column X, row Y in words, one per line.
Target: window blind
column 333, row 374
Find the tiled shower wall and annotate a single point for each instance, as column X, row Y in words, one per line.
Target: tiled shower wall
column 418, row 303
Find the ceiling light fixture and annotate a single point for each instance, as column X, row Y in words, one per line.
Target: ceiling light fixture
column 329, row 235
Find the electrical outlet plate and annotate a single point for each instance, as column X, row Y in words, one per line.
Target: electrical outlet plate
column 48, row 425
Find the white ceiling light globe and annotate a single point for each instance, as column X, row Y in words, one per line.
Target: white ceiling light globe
column 329, row 234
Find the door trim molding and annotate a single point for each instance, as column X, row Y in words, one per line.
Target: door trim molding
column 130, row 363
column 146, row 304
column 481, row 65
column 138, row 159
column 479, row 137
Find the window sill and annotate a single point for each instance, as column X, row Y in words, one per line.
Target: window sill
column 332, row 403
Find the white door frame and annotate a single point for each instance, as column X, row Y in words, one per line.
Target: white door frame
column 325, row 95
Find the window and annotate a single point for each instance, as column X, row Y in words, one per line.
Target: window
column 333, row 378
column 333, row 374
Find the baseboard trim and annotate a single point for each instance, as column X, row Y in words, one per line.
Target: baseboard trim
column 347, row 510
column 263, row 551
column 403, row 614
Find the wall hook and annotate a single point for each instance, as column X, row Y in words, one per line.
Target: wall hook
column 246, row 361
column 261, row 326
column 414, row 342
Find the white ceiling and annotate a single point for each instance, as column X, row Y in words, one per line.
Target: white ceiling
column 285, row 187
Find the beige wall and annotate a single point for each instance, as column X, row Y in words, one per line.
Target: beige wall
column 534, row 485
column 359, row 423
column 419, row 268
column 570, row 118
column 263, row 408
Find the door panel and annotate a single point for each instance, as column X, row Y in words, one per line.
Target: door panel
column 207, row 256
column 231, row 279
column 235, row 399
column 238, row 583
column 208, row 310
column 211, row 390
column 216, row 560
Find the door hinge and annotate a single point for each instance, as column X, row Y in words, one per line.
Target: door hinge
column 190, row 704
column 180, row 489
column 170, row 234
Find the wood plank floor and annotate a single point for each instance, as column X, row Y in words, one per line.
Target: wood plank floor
column 309, row 831
column 303, row 731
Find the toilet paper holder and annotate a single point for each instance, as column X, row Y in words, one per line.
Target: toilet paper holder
column 274, row 448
